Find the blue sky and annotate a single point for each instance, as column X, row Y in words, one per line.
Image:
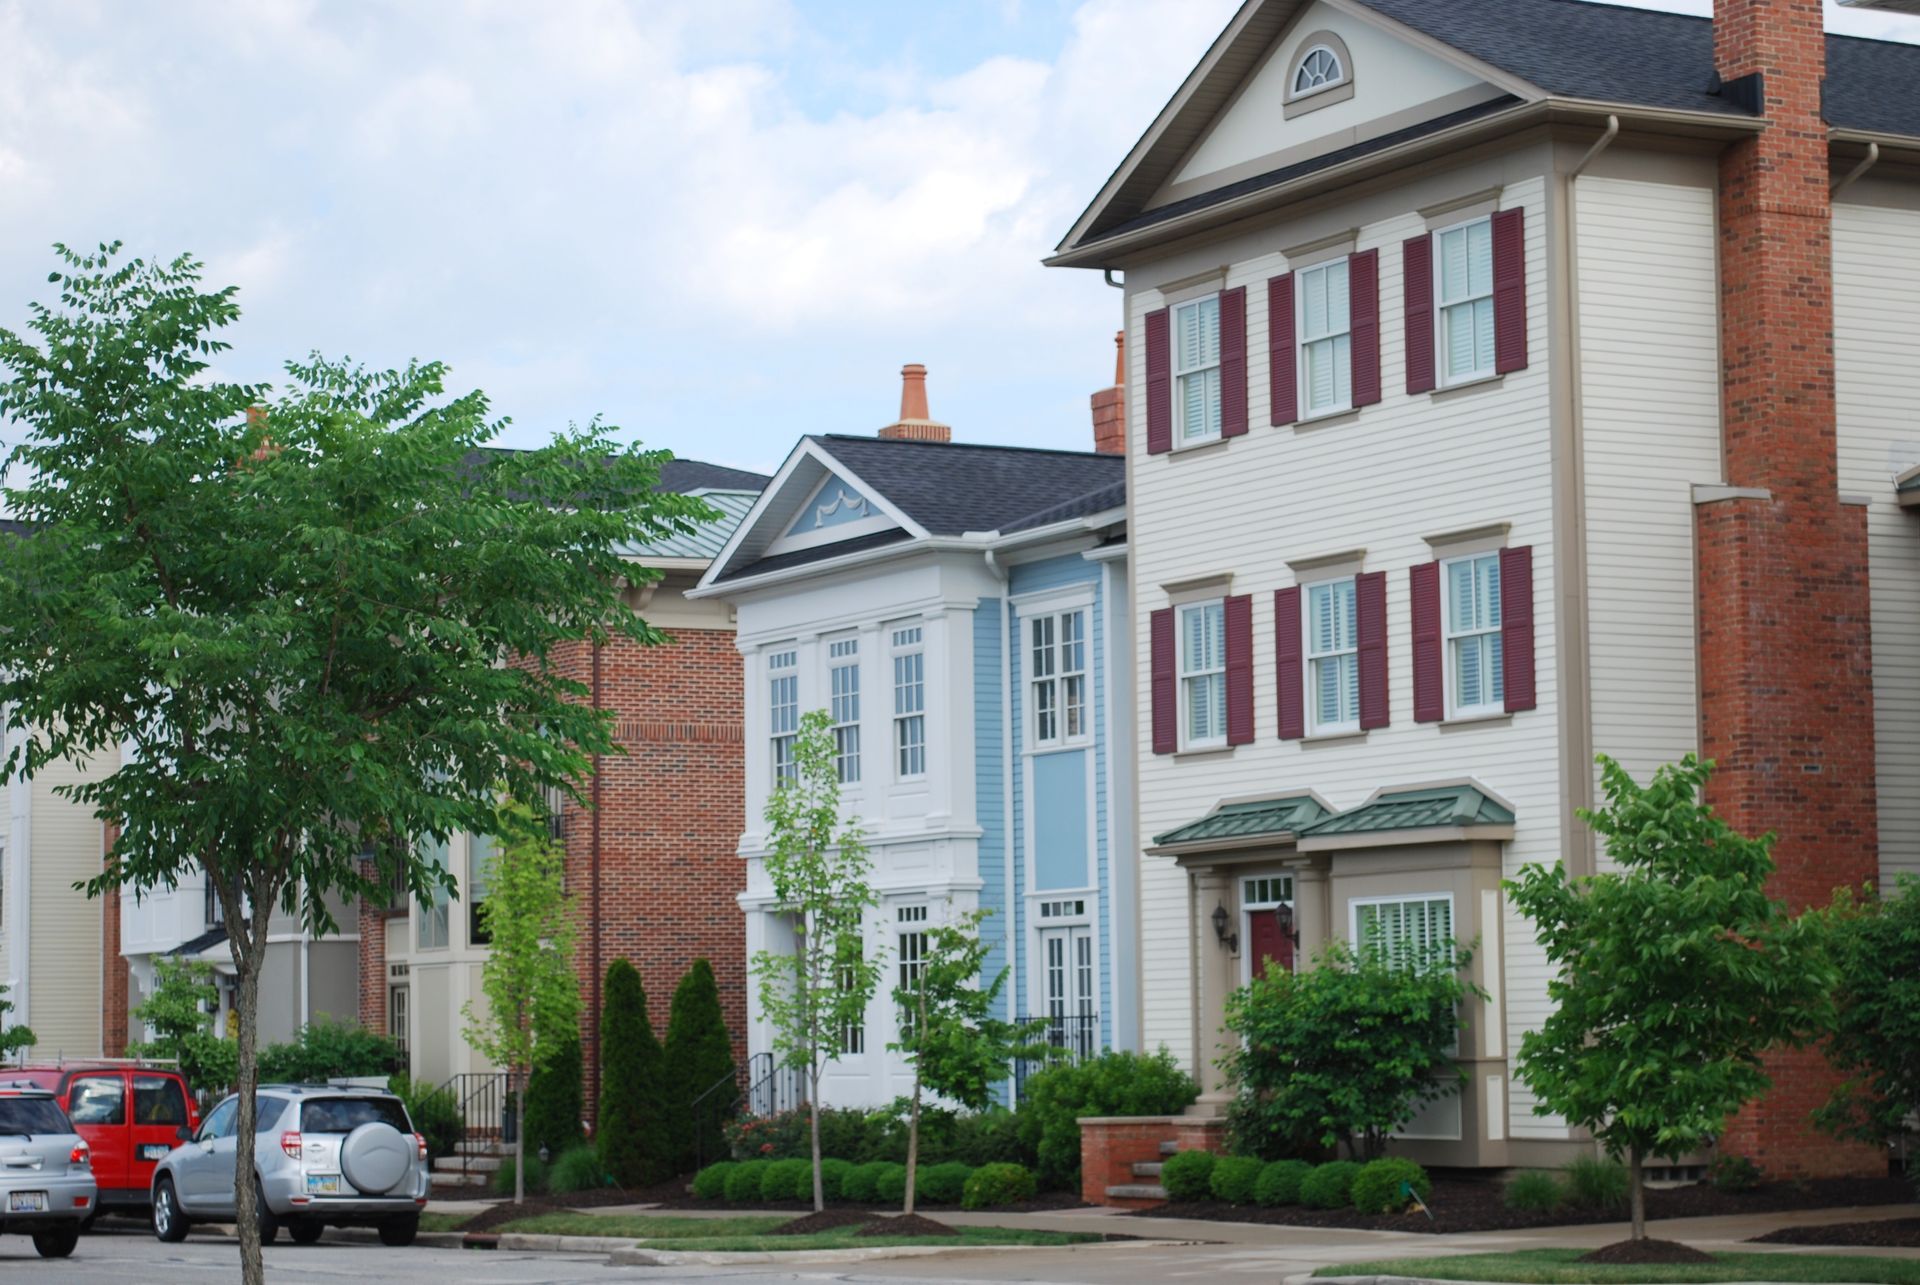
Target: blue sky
column 717, row 223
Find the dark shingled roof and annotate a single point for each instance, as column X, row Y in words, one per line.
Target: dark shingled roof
column 694, row 475
column 951, row 488
column 819, row 553
column 1083, row 506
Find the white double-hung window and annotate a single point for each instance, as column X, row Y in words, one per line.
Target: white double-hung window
column 1333, row 657
column 1203, row 675
column 783, row 713
column 1196, row 368
column 909, row 703
column 1058, row 656
column 1463, row 293
column 1407, row 932
column 1475, row 684
column 1326, row 344
column 843, row 682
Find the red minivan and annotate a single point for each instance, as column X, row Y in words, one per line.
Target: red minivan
column 131, row 1113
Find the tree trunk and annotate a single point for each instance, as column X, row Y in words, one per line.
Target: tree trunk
column 247, row 974
column 813, row 1110
column 520, row 1127
column 1638, row 1193
column 913, row 1140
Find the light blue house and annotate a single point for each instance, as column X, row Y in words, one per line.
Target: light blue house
column 961, row 612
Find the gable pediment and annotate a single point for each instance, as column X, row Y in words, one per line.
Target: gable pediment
column 814, row 504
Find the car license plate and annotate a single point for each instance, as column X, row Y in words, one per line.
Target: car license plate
column 154, row 1150
column 27, row 1202
column 323, row 1184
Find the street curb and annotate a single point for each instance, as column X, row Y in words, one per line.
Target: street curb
column 639, row 1256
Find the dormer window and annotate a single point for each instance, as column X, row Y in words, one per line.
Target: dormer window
column 1320, row 69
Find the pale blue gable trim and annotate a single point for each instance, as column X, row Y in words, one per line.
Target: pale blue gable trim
column 835, row 505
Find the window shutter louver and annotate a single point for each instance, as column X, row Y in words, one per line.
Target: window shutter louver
column 1238, row 619
column 1288, row 646
column 1166, row 712
column 1417, row 260
column 1159, row 383
column 1233, row 362
column 1516, row 627
column 1283, row 367
column 1509, row 291
column 1429, row 691
column 1370, row 635
column 1363, row 294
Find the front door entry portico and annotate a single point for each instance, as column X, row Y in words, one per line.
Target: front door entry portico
column 1267, row 944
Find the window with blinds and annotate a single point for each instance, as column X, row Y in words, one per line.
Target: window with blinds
column 1196, row 368
column 1333, row 657
column 1408, row 933
column 1203, row 675
column 1475, row 663
column 1326, row 345
column 1463, row 269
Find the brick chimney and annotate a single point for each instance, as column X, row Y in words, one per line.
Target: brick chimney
column 1110, row 405
column 915, row 424
column 1786, row 679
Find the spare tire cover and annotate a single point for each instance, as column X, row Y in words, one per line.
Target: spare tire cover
column 375, row 1157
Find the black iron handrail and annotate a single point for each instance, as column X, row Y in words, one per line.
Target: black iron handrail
column 1068, row 1037
column 488, row 1104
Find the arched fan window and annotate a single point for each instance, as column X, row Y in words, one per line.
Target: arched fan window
column 1320, row 69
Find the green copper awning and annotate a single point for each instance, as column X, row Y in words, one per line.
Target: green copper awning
column 1418, row 809
column 1261, row 819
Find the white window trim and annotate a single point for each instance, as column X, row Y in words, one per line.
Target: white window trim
column 1443, row 377
column 1449, row 685
column 896, row 720
column 1311, row 696
column 770, row 673
column 834, row 664
column 1308, row 411
column 1062, row 738
column 1181, row 675
column 1180, row 437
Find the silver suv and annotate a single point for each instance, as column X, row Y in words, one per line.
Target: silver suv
column 46, row 1173
column 323, row 1156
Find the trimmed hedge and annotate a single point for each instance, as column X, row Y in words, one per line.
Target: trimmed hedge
column 1188, row 1175
column 1048, row 1121
column 993, row 1186
column 743, row 1184
column 859, row 1184
column 941, row 1184
column 786, row 1179
column 1279, row 1182
column 711, row 1183
column 890, row 1184
column 833, row 1178
column 1234, row 1179
column 1376, row 1188
column 1329, row 1186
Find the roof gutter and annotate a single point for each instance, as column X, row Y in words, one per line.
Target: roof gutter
column 1867, row 162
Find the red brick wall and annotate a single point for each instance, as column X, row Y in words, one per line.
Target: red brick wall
column 373, row 967
column 1785, row 657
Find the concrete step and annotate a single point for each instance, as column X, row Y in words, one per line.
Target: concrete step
column 1146, row 1168
column 458, row 1179
column 1137, row 1191
column 468, row 1164
column 1169, row 1148
column 487, row 1147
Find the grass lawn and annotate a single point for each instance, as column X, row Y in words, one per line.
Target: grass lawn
column 1557, row 1267
column 443, row 1222
column 646, row 1226
column 748, row 1233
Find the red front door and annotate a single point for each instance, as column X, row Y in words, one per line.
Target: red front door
column 1267, row 943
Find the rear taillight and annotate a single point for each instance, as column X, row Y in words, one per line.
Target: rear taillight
column 290, row 1143
column 420, row 1140
column 79, row 1155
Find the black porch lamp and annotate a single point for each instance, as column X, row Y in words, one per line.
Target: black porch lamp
column 1230, row 940
column 1283, row 916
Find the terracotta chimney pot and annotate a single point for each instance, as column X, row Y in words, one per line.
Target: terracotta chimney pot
column 916, row 423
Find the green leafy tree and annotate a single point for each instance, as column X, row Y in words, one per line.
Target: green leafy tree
column 699, row 1055
column 533, row 996
column 318, row 620
column 635, row 1139
column 14, row 1038
column 179, row 1017
column 1875, row 1038
column 1345, row 1052
column 556, row 1100
column 1673, row 974
column 812, row 995
column 958, row 1049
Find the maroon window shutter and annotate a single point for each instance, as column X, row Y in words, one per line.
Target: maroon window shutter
column 1288, row 645
column 1417, row 259
column 1283, row 369
column 1159, row 383
column 1516, row 627
column 1370, row 629
column 1509, row 291
column 1429, row 692
column 1166, row 711
column 1233, row 362
column 1238, row 618
column 1363, row 293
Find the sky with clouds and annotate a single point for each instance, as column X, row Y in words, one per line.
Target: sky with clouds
column 717, row 223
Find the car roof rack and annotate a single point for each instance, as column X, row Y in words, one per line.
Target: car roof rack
column 62, row 1062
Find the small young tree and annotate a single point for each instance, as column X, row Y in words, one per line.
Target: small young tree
column 813, row 995
column 1875, row 1039
column 633, row 1131
column 533, row 998
column 14, row 1038
column 179, row 1017
column 1673, row 974
column 699, row 1055
column 958, row 1049
column 1345, row 1052
column 556, row 1100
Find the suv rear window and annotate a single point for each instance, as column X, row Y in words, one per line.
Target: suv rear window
column 344, row 1115
column 19, row 1116
column 158, row 1099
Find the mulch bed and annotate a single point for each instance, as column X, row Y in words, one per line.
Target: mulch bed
column 825, row 1220
column 906, row 1225
column 1463, row 1205
column 1636, row 1252
column 1046, row 1202
column 1888, row 1233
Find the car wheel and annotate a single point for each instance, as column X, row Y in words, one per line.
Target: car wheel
column 305, row 1232
column 169, row 1224
column 399, row 1232
column 264, row 1218
column 56, row 1244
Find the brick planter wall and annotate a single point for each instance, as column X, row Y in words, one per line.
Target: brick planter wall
column 1110, row 1146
